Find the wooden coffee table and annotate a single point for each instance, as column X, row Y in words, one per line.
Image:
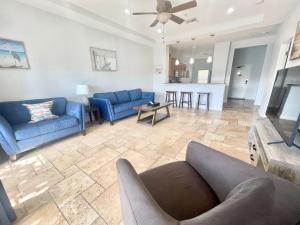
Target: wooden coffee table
column 155, row 117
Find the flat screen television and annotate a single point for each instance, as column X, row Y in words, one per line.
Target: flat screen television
column 284, row 106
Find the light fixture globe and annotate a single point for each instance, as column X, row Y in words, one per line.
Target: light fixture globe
column 164, row 17
column 192, row 61
column 209, row 59
column 177, row 62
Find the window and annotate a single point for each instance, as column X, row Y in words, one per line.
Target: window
column 203, row 76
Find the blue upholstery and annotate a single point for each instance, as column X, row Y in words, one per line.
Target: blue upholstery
column 15, row 128
column 123, row 96
column 135, row 94
column 123, row 107
column 109, row 95
column 15, row 112
column 128, row 105
column 29, row 130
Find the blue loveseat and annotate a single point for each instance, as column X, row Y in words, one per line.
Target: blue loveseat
column 18, row 135
column 117, row 105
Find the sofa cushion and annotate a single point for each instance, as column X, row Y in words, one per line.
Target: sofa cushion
column 30, row 130
column 16, row 113
column 109, row 95
column 123, row 96
column 135, row 94
column 128, row 105
column 179, row 190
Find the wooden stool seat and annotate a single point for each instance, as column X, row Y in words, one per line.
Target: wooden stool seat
column 171, row 97
column 205, row 94
column 189, row 101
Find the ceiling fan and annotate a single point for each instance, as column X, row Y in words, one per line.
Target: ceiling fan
column 165, row 12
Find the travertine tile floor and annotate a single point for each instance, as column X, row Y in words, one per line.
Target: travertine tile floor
column 73, row 181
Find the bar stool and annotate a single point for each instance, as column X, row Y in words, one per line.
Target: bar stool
column 205, row 94
column 171, row 97
column 189, row 101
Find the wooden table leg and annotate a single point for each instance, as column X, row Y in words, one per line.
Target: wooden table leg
column 154, row 118
column 90, row 116
column 139, row 115
column 168, row 111
column 98, row 116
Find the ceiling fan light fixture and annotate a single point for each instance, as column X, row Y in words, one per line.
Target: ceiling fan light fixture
column 159, row 30
column 164, row 17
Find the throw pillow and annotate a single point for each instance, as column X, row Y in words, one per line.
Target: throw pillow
column 40, row 111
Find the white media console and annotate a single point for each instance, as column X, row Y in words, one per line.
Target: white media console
column 278, row 159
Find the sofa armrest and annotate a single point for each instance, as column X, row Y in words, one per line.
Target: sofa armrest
column 148, row 96
column 220, row 171
column 7, row 137
column 77, row 110
column 105, row 108
column 138, row 206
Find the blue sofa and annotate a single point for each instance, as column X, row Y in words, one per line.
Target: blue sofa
column 117, row 105
column 18, row 135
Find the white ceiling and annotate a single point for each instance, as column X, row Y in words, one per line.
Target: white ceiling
column 211, row 15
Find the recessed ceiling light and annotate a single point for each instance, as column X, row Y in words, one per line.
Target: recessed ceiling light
column 127, row 11
column 230, row 10
column 159, row 30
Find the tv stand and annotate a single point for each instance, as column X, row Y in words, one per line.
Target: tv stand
column 275, row 157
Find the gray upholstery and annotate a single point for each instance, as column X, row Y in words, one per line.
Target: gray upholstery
column 179, row 182
column 247, row 195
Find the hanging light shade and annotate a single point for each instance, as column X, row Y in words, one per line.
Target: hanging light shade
column 177, row 62
column 192, row 61
column 209, row 59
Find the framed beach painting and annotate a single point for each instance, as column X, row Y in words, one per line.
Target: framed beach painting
column 104, row 60
column 13, row 54
column 295, row 52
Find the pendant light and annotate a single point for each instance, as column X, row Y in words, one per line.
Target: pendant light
column 177, row 60
column 209, row 59
column 192, row 60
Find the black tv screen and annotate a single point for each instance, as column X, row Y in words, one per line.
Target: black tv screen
column 284, row 105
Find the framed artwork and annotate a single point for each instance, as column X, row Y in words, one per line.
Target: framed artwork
column 295, row 52
column 13, row 54
column 104, row 60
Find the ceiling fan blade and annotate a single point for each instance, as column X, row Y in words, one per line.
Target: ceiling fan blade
column 184, row 6
column 176, row 19
column 145, row 13
column 154, row 23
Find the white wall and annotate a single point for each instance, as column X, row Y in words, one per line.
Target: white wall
column 221, row 53
column 254, row 57
column 286, row 32
column 58, row 52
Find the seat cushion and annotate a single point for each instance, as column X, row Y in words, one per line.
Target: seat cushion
column 135, row 94
column 30, row 130
column 128, row 105
column 179, row 190
column 109, row 95
column 123, row 96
